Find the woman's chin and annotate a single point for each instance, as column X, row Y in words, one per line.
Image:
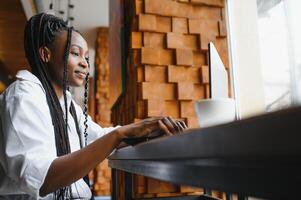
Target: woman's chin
column 76, row 83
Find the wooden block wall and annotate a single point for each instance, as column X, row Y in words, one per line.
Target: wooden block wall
column 167, row 58
column 167, row 67
column 102, row 173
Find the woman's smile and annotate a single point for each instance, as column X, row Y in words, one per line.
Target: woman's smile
column 80, row 74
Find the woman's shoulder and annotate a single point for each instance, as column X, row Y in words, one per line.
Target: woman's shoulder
column 26, row 86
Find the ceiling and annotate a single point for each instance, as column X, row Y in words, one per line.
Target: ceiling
column 88, row 16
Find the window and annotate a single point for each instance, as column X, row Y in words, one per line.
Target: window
column 279, row 38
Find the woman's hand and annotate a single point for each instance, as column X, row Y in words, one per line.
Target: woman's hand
column 147, row 126
column 80, row 162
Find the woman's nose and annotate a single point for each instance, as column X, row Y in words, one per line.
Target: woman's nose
column 84, row 63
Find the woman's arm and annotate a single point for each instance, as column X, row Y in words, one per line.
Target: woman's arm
column 68, row 168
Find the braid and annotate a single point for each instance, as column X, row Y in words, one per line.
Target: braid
column 65, row 78
column 86, row 107
column 46, row 28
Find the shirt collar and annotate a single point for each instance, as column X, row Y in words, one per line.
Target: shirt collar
column 28, row 76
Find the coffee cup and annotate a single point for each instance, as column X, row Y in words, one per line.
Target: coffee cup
column 212, row 112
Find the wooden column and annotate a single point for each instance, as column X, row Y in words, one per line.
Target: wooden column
column 102, row 173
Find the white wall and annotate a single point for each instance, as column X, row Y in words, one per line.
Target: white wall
column 244, row 40
column 88, row 16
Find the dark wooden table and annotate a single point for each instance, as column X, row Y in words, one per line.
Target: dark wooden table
column 259, row 157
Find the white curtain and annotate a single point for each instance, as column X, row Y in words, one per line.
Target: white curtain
column 293, row 16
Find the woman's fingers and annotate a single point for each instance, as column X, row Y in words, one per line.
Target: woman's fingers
column 148, row 126
column 164, row 127
column 174, row 124
column 170, row 124
column 183, row 124
column 180, row 125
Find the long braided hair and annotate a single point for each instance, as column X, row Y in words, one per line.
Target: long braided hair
column 41, row 31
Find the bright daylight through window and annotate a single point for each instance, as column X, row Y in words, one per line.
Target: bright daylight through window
column 280, row 36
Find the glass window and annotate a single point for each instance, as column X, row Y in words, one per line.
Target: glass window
column 279, row 46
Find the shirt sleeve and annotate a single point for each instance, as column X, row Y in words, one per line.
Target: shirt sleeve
column 94, row 130
column 29, row 142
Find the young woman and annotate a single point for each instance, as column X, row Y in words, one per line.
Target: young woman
column 43, row 132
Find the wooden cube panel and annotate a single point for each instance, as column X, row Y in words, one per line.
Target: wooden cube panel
column 164, row 91
column 205, row 39
column 169, row 41
column 222, row 30
column 180, row 41
column 198, row 26
column 205, row 12
column 205, row 74
column 136, row 40
column 187, row 109
column 155, row 74
column 163, row 24
column 175, row 9
column 183, row 1
column 166, row 57
column 179, row 25
column 138, row 6
column 140, row 109
column 194, row 74
column 199, row 58
column 164, row 8
column 189, row 189
column 168, row 195
column 156, row 186
column 156, row 56
column 223, row 14
column 147, row 22
column 217, row 3
column 154, row 40
column 207, row 91
column 155, row 107
column 150, row 56
column 199, row 91
column 184, row 57
column 139, row 183
column 185, row 10
column 192, row 122
column 135, row 58
column 176, row 74
column 185, row 90
column 183, row 74
column 140, row 74
column 172, row 109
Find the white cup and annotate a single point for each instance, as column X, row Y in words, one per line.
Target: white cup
column 212, row 112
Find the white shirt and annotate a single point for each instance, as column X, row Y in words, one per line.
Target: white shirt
column 27, row 141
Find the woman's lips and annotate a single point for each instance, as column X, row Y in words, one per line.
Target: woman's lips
column 81, row 75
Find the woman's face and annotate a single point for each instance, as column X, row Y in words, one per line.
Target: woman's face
column 78, row 67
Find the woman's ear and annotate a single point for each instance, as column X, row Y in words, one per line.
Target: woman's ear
column 45, row 54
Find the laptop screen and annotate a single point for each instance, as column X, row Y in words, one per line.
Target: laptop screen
column 218, row 77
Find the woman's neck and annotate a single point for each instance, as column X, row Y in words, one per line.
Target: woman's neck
column 58, row 89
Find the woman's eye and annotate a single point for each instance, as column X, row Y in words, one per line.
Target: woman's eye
column 87, row 59
column 75, row 53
